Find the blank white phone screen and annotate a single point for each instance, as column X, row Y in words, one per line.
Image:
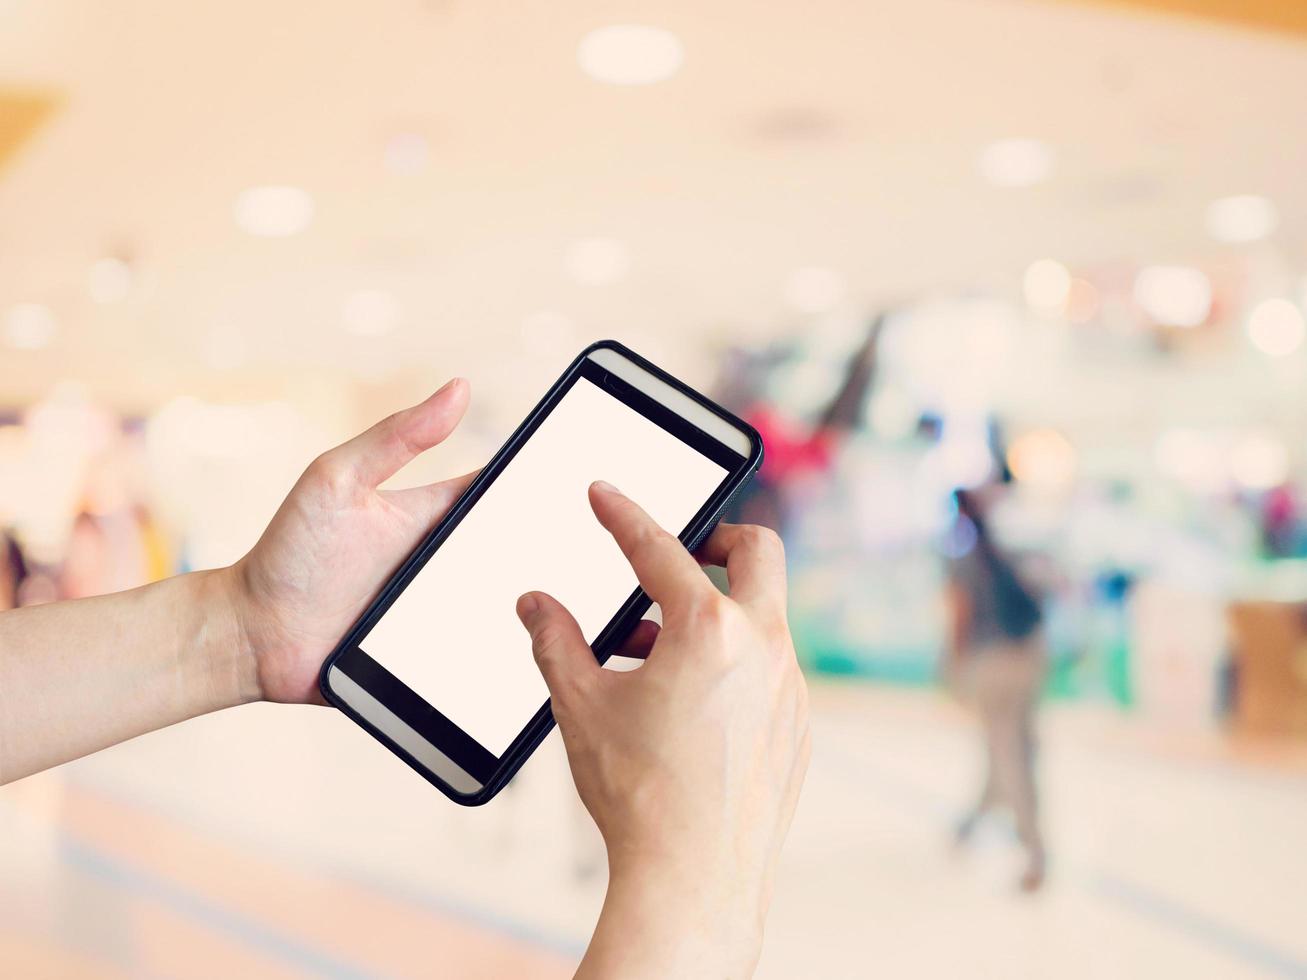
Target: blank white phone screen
column 453, row 636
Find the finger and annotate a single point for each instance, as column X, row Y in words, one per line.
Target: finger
column 754, row 559
column 640, row 641
column 376, row 454
column 564, row 658
column 428, row 504
column 667, row 572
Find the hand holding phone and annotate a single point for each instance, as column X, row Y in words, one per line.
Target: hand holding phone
column 436, row 668
column 691, row 765
column 333, row 542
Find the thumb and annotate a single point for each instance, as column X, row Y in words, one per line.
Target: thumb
column 377, row 454
column 564, row 658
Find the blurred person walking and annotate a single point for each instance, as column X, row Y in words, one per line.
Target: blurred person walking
column 798, row 453
column 996, row 662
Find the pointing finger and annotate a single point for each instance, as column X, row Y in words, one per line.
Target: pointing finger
column 667, row 572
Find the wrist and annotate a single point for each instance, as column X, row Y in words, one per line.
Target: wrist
column 233, row 669
column 676, row 918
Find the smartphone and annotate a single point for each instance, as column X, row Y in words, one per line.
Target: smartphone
column 439, row 669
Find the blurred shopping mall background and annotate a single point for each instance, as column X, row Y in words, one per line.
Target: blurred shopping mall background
column 924, row 244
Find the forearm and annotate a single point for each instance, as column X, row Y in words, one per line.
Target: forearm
column 656, row 923
column 79, row 676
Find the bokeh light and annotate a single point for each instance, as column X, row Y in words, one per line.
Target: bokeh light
column 1046, row 285
column 275, row 211
column 1174, row 295
column 29, row 326
column 1259, row 461
column 630, row 54
column 1241, row 218
column 1016, row 162
column 1043, row 458
column 1276, row 327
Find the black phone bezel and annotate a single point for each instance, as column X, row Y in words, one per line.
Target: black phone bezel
column 449, row 738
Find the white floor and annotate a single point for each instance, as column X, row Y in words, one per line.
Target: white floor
column 1171, row 855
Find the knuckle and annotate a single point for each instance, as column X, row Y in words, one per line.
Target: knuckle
column 716, row 621
column 329, row 471
column 320, row 466
column 764, row 539
column 710, row 609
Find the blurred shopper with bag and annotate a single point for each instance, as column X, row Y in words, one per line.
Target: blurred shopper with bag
column 995, row 662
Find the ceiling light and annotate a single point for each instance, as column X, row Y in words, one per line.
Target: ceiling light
column 596, row 261
column 630, row 54
column 546, row 333
column 1276, row 327
column 29, row 326
column 371, row 313
column 407, row 153
column 1016, row 162
column 1046, row 285
column 814, row 290
column 1174, row 295
column 109, row 280
column 274, row 211
column 1241, row 218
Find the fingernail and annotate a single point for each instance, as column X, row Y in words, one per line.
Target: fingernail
column 447, row 385
column 527, row 606
column 605, row 486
